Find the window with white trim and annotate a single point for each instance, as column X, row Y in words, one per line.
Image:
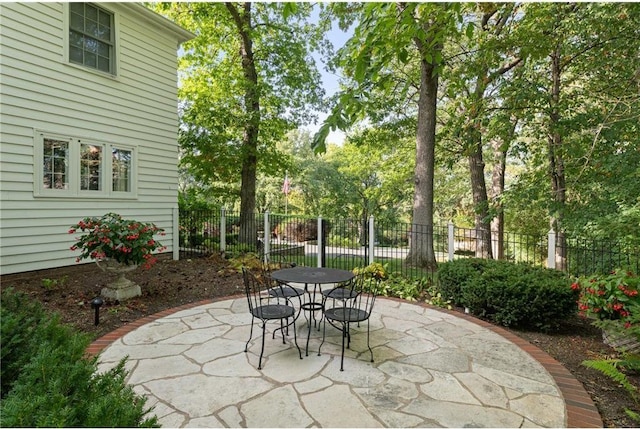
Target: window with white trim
column 121, row 169
column 74, row 167
column 91, row 37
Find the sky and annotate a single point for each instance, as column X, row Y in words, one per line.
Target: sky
column 330, row 81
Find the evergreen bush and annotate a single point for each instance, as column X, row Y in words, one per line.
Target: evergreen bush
column 50, row 382
column 22, row 320
column 510, row 294
column 454, row 275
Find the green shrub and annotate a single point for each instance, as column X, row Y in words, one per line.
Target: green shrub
column 453, row 276
column 509, row 294
column 52, row 383
column 22, row 320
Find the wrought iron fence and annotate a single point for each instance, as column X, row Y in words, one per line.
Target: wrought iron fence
column 347, row 243
column 586, row 257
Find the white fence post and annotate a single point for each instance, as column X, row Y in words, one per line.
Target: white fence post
column 551, row 250
column 450, row 237
column 266, row 245
column 223, row 230
column 319, row 241
column 176, row 233
column 372, row 236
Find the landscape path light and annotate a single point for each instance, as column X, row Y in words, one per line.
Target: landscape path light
column 96, row 303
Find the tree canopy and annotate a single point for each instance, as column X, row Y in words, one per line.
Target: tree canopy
column 510, row 116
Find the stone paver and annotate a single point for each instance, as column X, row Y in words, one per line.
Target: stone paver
column 431, row 369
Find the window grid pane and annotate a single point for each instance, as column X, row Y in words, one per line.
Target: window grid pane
column 90, row 168
column 90, row 37
column 121, row 169
column 55, row 164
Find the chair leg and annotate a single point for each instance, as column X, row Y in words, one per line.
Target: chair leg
column 344, row 334
column 246, row 346
column 264, row 328
column 370, row 351
column 306, row 350
column 324, row 333
column 295, row 336
column 282, row 329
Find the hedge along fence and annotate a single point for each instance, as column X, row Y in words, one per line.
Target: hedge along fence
column 518, row 295
column 47, row 381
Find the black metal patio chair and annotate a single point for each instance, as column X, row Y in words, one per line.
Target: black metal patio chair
column 276, row 261
column 356, row 309
column 345, row 291
column 267, row 307
column 342, row 293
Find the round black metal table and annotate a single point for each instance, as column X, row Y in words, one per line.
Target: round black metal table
column 315, row 276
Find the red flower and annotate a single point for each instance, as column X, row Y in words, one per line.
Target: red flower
column 101, row 235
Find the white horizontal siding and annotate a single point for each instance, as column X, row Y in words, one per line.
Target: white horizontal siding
column 41, row 92
column 49, row 244
column 87, row 107
column 50, row 76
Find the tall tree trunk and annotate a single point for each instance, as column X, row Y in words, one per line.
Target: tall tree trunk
column 556, row 162
column 421, row 250
column 480, row 199
column 473, row 143
column 497, row 189
column 248, row 226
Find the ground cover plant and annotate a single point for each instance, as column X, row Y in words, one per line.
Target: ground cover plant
column 47, row 381
column 172, row 283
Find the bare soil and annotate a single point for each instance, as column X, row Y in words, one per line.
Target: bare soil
column 69, row 291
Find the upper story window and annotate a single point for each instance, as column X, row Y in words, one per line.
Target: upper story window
column 72, row 167
column 91, row 37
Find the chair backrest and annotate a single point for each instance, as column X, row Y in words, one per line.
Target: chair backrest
column 256, row 288
column 365, row 287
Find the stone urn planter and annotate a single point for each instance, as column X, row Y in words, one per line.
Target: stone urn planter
column 122, row 288
column 621, row 341
column 118, row 246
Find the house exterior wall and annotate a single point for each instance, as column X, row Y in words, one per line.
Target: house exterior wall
column 42, row 92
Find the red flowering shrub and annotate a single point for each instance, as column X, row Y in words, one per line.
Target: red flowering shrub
column 110, row 237
column 614, row 297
